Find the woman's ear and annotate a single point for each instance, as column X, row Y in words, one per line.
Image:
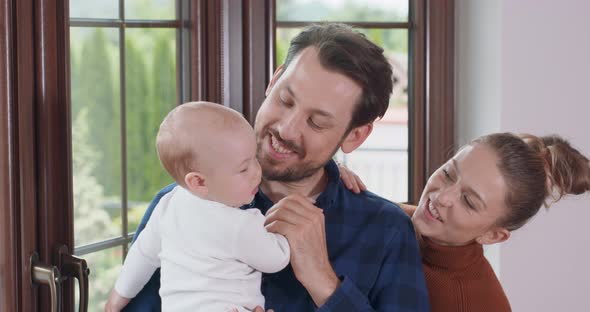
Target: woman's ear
column 493, row 236
column 356, row 137
column 195, row 182
column 274, row 79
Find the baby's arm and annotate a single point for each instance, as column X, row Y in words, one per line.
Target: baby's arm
column 116, row 302
column 141, row 261
column 264, row 251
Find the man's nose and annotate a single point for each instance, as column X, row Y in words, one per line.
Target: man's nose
column 290, row 128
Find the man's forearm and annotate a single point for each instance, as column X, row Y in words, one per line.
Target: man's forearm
column 322, row 287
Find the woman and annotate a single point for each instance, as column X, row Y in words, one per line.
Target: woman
column 489, row 188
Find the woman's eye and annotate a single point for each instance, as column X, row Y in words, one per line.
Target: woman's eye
column 244, row 170
column 447, row 175
column 285, row 103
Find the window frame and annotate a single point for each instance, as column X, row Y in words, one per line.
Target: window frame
column 431, row 93
column 37, row 192
column 121, row 24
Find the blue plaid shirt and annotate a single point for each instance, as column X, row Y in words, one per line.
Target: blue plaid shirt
column 372, row 248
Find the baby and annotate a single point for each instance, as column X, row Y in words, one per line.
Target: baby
column 211, row 252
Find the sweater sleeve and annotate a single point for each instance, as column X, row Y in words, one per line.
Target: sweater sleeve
column 143, row 257
column 254, row 245
column 399, row 287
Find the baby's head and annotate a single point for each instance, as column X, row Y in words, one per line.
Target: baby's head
column 210, row 150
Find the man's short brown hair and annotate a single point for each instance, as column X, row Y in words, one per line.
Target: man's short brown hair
column 349, row 52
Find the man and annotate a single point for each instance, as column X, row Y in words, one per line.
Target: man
column 348, row 252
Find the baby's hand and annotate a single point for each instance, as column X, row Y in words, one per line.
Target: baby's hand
column 260, row 309
column 116, row 302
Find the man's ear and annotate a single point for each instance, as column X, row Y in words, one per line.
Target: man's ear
column 356, row 137
column 195, row 182
column 493, row 236
column 274, row 79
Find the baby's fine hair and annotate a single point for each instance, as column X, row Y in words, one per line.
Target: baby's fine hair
column 182, row 137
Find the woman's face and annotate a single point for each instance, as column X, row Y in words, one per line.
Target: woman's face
column 464, row 199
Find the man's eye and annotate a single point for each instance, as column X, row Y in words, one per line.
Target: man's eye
column 314, row 125
column 468, row 202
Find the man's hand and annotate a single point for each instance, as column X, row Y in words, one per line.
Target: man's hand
column 298, row 219
column 116, row 302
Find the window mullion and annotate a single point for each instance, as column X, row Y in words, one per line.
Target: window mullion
column 124, row 208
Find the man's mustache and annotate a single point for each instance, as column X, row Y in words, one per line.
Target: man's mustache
column 288, row 144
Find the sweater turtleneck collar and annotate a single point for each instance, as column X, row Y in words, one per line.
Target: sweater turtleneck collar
column 450, row 257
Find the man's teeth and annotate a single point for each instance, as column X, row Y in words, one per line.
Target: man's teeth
column 434, row 211
column 278, row 147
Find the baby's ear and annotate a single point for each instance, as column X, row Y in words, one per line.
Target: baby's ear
column 195, row 182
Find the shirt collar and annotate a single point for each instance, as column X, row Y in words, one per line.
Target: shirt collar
column 328, row 196
column 325, row 200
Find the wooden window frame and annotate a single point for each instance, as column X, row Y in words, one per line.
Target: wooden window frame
column 431, row 126
column 35, row 154
column 121, row 24
column 432, row 121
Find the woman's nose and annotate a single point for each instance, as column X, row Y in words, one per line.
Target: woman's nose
column 447, row 196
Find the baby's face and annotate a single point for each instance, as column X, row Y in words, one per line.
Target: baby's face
column 232, row 171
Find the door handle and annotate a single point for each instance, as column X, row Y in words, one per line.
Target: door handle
column 47, row 275
column 74, row 267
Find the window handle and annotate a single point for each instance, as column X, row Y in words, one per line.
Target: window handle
column 47, row 275
column 74, row 267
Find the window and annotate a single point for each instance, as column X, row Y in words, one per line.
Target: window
column 382, row 161
column 126, row 74
column 131, row 61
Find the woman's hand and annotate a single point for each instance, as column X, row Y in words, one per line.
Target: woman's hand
column 260, row 309
column 351, row 180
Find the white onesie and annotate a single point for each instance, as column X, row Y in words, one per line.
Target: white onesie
column 211, row 255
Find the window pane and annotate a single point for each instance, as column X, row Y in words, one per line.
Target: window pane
column 384, row 171
column 96, row 133
column 382, row 160
column 94, row 9
column 104, row 266
column 150, row 9
column 343, row 10
column 150, row 95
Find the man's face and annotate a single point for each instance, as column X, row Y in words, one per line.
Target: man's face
column 304, row 118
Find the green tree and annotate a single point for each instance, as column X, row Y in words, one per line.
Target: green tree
column 96, row 92
column 162, row 101
column 90, row 220
column 139, row 145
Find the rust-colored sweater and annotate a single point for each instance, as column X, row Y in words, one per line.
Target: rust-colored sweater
column 460, row 279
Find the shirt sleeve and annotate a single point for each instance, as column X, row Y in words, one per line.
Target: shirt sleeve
column 264, row 251
column 143, row 257
column 399, row 287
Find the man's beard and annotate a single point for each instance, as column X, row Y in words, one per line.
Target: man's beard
column 292, row 174
column 295, row 173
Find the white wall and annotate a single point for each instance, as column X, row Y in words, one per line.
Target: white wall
column 524, row 66
column 478, row 61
